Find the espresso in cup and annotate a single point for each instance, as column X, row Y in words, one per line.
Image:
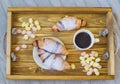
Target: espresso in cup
column 84, row 39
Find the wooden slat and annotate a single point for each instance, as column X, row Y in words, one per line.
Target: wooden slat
column 26, row 54
column 48, row 20
column 30, row 67
column 72, row 51
column 104, row 77
column 47, row 30
column 31, row 70
column 8, row 51
column 29, row 64
column 111, row 62
column 26, row 71
column 60, row 9
column 20, row 40
column 70, row 58
column 61, row 34
column 68, row 46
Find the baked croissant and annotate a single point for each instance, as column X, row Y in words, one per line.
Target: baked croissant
column 51, row 46
column 68, row 23
column 53, row 61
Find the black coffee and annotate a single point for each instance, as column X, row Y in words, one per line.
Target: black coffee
column 83, row 40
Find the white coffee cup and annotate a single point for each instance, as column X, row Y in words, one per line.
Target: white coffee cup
column 93, row 40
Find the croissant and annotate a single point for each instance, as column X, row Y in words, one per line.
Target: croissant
column 51, row 46
column 68, row 23
column 53, row 61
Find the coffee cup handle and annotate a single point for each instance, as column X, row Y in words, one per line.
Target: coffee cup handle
column 96, row 40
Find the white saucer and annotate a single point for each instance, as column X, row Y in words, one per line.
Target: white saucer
column 37, row 59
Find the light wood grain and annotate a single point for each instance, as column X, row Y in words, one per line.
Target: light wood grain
column 48, row 20
column 29, row 68
column 60, row 9
column 60, row 77
column 20, row 40
column 8, row 51
column 111, row 62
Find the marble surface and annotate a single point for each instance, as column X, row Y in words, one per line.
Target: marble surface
column 4, row 4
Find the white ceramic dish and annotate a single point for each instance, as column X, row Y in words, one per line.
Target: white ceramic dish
column 37, row 59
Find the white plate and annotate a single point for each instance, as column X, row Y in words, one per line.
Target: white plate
column 37, row 59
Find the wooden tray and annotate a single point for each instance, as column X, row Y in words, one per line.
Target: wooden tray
column 26, row 68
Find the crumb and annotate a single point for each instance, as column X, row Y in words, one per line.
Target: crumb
column 17, row 48
column 25, row 37
column 73, row 66
column 24, row 46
